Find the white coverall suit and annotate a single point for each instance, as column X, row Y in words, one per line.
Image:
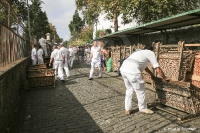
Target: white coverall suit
column 58, row 63
column 131, row 71
column 65, row 52
column 96, row 61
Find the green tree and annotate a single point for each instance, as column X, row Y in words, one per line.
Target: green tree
column 20, row 8
column 76, row 25
column 149, row 10
column 38, row 20
column 90, row 9
column 86, row 34
column 141, row 10
column 112, row 8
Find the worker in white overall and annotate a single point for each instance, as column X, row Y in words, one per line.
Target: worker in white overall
column 40, row 55
column 131, row 71
column 43, row 44
column 65, row 52
column 58, row 59
column 95, row 59
column 87, row 52
column 34, row 55
column 72, row 51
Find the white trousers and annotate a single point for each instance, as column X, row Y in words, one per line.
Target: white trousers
column 134, row 82
column 87, row 58
column 95, row 62
column 71, row 61
column 66, row 68
column 34, row 61
column 40, row 61
column 59, row 70
column 44, row 47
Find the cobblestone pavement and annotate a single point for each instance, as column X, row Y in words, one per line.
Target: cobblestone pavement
column 80, row 105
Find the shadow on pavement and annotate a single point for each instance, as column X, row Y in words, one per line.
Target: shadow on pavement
column 55, row 110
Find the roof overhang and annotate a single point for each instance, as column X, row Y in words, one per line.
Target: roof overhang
column 184, row 19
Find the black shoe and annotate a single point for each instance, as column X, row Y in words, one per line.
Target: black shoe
column 90, row 78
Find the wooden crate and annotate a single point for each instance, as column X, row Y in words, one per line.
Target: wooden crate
column 178, row 95
column 116, row 57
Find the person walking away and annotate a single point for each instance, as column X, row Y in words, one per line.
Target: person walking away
column 103, row 58
column 81, row 54
column 34, row 57
column 65, row 52
column 87, row 52
column 58, row 59
column 71, row 56
column 43, row 44
column 131, row 71
column 76, row 53
column 40, row 55
column 109, row 63
column 95, row 59
column 54, row 47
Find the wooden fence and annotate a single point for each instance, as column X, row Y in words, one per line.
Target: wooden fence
column 12, row 46
column 180, row 62
column 121, row 52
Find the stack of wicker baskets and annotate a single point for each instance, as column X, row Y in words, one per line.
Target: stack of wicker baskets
column 39, row 76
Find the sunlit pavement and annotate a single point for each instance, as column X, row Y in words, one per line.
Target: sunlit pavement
column 93, row 106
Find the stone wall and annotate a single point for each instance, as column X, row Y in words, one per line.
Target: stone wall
column 12, row 83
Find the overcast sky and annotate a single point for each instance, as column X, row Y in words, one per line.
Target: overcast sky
column 59, row 13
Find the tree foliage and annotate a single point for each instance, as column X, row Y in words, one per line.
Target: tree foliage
column 142, row 11
column 149, row 10
column 39, row 22
column 20, row 7
column 86, row 34
column 76, row 24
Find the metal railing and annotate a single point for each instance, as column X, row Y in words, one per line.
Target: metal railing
column 13, row 44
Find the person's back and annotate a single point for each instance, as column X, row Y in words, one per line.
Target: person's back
column 71, row 52
column 42, row 41
column 57, row 55
column 64, row 51
column 81, row 52
column 138, row 61
column 40, row 53
column 43, row 44
column 33, row 53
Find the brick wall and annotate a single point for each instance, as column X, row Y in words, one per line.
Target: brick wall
column 12, row 81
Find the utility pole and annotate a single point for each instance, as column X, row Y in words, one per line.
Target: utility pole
column 28, row 21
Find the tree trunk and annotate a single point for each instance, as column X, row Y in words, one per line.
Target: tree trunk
column 115, row 21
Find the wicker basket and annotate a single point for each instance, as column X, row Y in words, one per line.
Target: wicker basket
column 41, row 72
column 40, row 77
column 34, row 67
column 41, row 81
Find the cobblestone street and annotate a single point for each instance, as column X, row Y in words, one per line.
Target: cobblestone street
column 93, row 106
